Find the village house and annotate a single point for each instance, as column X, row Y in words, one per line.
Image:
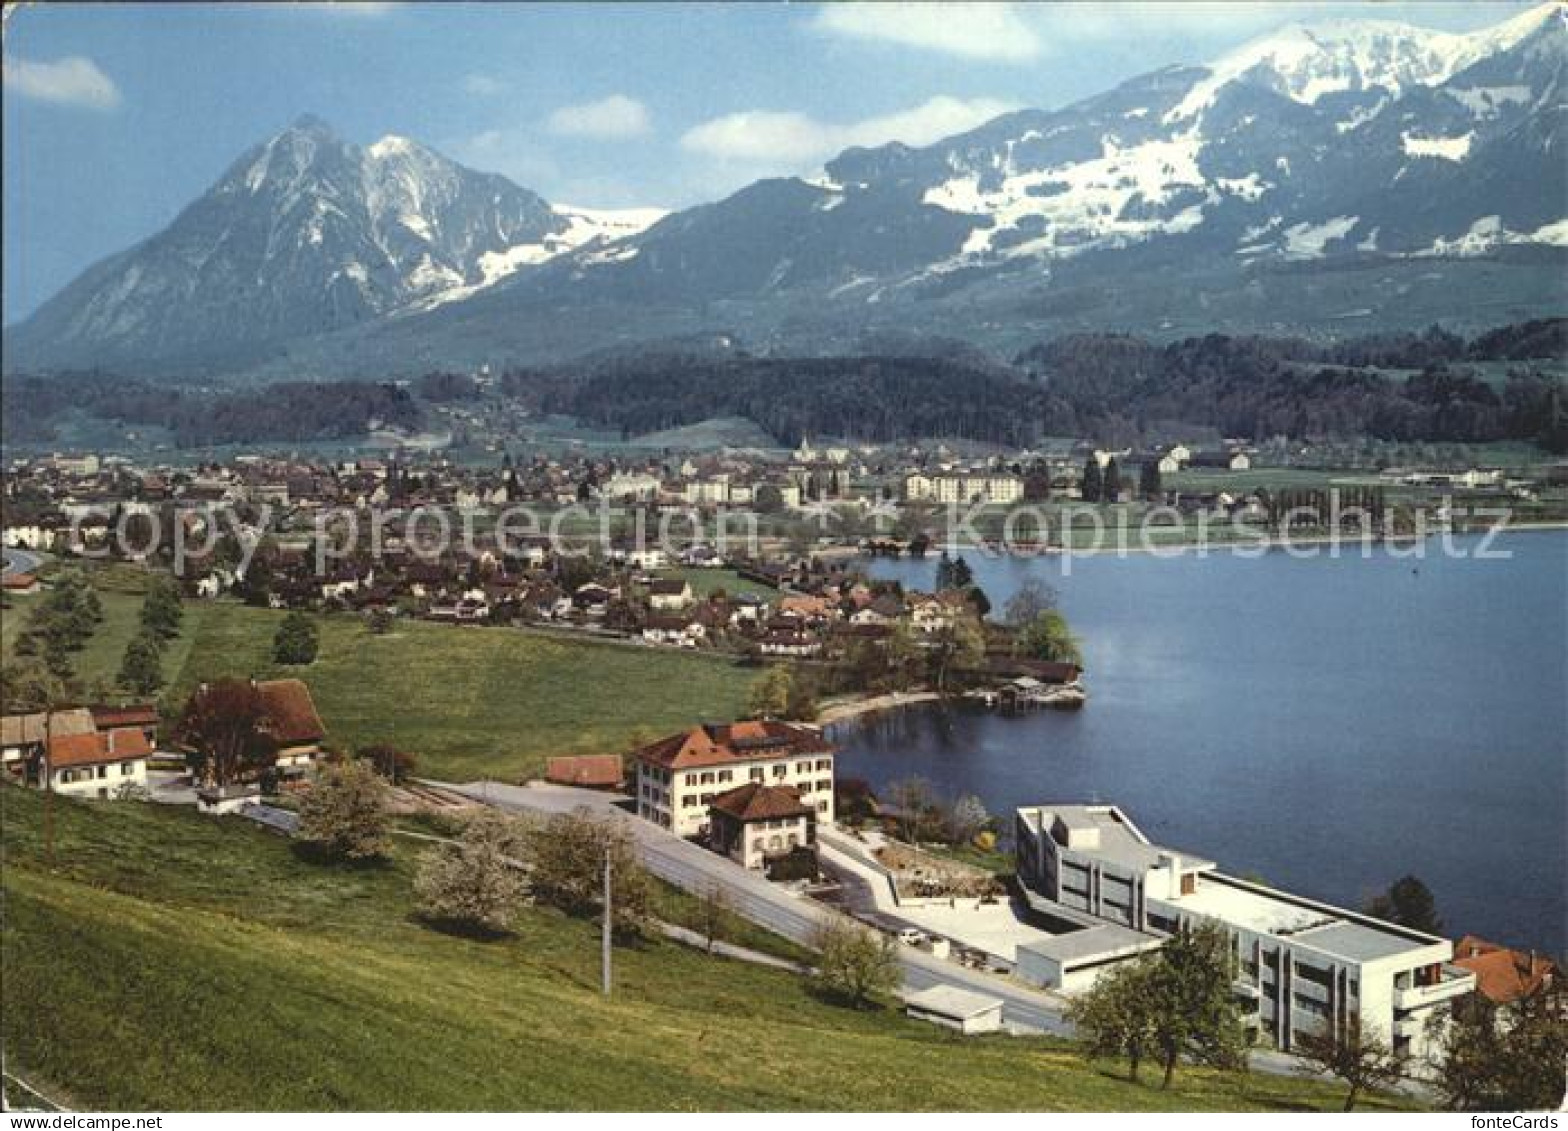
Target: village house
column 1505, row 976
column 22, row 737
column 586, row 771
column 669, row 594
column 679, row 777
column 102, row 764
column 754, row 822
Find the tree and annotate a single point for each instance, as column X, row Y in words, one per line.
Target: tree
column 27, row 685
column 345, row 816
column 1047, row 637
column 959, row 646
column 1502, row 1058
column 1090, row 486
column 162, row 611
column 1360, row 1058
column 963, row 576
column 296, row 641
column 1149, row 485
column 478, row 883
column 854, row 964
column 1111, row 483
column 1115, row 1017
column 568, row 853
column 1409, row 903
column 395, row 765
column 913, row 799
column 714, row 912
column 770, row 694
column 969, row 816
column 1028, row 601
column 944, row 572
column 1194, row 1014
column 141, row 669
column 226, row 732
column 978, row 601
column 801, row 703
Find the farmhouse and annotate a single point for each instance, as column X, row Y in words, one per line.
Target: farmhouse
column 98, row 764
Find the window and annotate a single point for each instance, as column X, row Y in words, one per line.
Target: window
column 756, row 773
column 103, row 772
column 724, row 775
column 127, row 769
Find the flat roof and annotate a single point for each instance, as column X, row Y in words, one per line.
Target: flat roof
column 1121, row 841
column 1097, row 943
column 952, row 1001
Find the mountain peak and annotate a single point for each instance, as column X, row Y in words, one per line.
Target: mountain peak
column 309, row 124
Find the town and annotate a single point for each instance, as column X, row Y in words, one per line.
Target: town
column 1028, row 923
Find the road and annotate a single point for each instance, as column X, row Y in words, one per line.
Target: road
column 19, row 561
column 795, row 917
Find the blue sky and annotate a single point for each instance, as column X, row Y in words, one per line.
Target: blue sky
column 116, row 116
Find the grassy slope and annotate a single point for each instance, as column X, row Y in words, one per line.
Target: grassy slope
column 467, row 701
column 171, row 961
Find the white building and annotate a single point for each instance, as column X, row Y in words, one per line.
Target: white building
column 963, row 489
column 679, row 777
column 101, row 764
column 1303, row 966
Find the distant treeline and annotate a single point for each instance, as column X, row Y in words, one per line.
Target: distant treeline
column 291, row 411
column 872, row 398
column 1112, row 386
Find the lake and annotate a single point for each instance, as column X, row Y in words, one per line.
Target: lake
column 1328, row 725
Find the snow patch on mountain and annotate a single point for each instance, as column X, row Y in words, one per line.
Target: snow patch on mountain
column 1126, row 193
column 1448, row 148
column 1307, row 241
column 1304, row 62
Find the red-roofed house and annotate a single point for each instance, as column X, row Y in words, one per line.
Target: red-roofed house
column 1504, row 976
column 679, row 777
column 99, row 764
column 296, row 727
column 753, row 822
column 586, row 771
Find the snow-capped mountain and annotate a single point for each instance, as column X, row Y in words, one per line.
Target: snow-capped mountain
column 308, row 233
column 1324, row 173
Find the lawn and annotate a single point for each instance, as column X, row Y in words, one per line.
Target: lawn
column 467, row 702
column 174, row 962
column 474, row 702
column 706, row 582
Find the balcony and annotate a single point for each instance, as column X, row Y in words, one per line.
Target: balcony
column 1454, row 982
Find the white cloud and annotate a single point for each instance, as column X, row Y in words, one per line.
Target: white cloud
column 485, row 86
column 347, row 7
column 613, row 117
column 73, row 81
column 786, row 138
column 971, row 31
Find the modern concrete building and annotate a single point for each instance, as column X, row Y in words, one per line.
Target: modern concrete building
column 1303, row 966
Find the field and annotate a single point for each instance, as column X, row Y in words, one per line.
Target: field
column 174, row 962
column 467, row 702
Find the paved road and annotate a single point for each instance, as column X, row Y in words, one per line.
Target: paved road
column 793, row 916
column 19, row 561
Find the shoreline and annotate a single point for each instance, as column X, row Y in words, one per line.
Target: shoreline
column 1264, row 544
column 855, row 708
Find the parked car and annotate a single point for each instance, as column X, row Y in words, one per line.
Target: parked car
column 909, row 936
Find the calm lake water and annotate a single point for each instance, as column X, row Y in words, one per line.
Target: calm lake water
column 1328, row 725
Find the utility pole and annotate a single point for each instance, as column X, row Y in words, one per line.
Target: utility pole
column 604, row 943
